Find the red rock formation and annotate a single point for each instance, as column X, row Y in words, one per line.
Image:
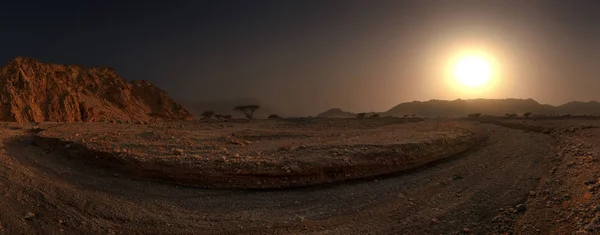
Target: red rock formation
column 35, row 91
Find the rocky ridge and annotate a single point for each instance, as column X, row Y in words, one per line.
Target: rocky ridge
column 36, row 91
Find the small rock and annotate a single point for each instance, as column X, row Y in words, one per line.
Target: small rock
column 521, row 207
column 178, row 151
column 68, row 146
column 295, row 168
column 466, row 230
column 29, row 216
column 532, row 193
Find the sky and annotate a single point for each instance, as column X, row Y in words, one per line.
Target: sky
column 306, row 56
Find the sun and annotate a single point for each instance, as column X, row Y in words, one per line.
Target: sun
column 472, row 71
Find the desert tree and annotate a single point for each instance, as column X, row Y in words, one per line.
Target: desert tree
column 406, row 115
column 248, row 110
column 528, row 114
column 274, row 116
column 361, row 115
column 375, row 115
column 207, row 114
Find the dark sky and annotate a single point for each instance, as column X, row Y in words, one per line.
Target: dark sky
column 306, row 56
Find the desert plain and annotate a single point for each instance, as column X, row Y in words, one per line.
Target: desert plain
column 482, row 175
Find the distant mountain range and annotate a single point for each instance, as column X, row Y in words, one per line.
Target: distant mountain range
column 461, row 108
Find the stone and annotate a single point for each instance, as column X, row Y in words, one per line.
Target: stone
column 29, row 216
column 520, row 207
column 178, row 151
column 295, row 168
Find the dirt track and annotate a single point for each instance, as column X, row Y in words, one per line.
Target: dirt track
column 466, row 191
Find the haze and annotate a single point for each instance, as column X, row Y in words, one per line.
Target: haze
column 304, row 57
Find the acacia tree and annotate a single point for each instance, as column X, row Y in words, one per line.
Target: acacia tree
column 248, row 110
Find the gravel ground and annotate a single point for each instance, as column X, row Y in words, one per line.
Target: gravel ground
column 479, row 191
column 263, row 154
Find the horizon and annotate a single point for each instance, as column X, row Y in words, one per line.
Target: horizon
column 307, row 56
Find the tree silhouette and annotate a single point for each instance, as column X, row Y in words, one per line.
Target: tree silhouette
column 248, row 110
column 375, row 115
column 274, row 116
column 361, row 115
column 528, row 114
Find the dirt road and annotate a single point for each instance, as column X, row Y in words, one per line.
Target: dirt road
column 42, row 193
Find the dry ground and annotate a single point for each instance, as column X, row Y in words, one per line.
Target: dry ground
column 512, row 181
column 262, row 154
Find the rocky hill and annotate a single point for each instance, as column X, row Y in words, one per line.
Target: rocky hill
column 36, row 91
column 458, row 108
column 461, row 108
column 336, row 113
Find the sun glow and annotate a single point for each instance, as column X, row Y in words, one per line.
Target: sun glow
column 472, row 71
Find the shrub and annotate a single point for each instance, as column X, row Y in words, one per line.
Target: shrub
column 274, row 116
column 207, row 114
column 361, row 115
column 375, row 115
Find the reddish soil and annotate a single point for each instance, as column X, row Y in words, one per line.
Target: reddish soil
column 515, row 181
column 262, row 154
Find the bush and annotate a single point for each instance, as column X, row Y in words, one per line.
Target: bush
column 375, row 115
column 207, row 114
column 361, row 115
column 274, row 116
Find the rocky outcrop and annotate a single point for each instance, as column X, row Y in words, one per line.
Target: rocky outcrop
column 35, row 91
column 336, row 113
